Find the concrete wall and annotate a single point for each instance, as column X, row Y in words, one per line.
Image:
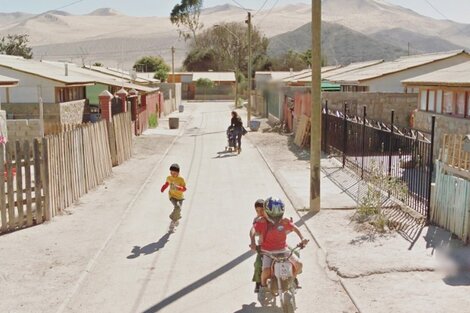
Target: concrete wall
column 379, row 105
column 31, row 111
column 24, row 129
column 392, row 83
column 444, row 125
column 27, row 90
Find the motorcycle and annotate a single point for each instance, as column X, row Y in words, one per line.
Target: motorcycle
column 282, row 283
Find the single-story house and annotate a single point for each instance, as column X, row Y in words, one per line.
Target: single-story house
column 134, row 77
column 62, row 92
column 445, row 94
column 224, row 85
column 387, row 76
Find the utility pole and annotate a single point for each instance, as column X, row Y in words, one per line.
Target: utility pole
column 315, row 118
column 173, row 80
column 248, row 21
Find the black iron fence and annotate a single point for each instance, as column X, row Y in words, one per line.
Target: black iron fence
column 367, row 146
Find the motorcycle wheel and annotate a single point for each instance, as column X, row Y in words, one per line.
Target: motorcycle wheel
column 288, row 305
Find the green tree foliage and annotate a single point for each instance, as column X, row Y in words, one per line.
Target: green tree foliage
column 225, row 48
column 185, row 16
column 153, row 64
column 99, row 64
column 290, row 60
column 16, row 45
column 205, row 83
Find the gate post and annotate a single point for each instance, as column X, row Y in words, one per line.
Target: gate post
column 345, row 133
column 326, row 129
column 363, row 139
column 431, row 166
column 390, row 146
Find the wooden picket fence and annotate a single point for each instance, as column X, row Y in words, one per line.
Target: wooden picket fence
column 453, row 154
column 120, row 138
column 44, row 177
column 79, row 160
column 24, row 196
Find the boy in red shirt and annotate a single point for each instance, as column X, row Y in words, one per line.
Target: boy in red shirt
column 274, row 230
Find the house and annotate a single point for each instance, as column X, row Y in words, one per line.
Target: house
column 223, row 89
column 387, row 76
column 62, row 92
column 123, row 75
column 445, row 94
column 5, row 82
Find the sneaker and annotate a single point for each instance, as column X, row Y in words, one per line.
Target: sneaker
column 257, row 285
column 297, row 284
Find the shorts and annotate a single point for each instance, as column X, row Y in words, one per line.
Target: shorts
column 268, row 262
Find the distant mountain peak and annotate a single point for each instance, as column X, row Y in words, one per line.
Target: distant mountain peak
column 104, row 12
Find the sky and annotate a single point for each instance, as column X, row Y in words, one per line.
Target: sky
column 457, row 10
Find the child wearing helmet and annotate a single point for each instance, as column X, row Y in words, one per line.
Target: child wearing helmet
column 274, row 229
column 177, row 188
column 260, row 214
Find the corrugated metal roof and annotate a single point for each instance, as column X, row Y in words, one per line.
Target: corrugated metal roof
column 43, row 69
column 457, row 75
column 215, row 76
column 391, row 67
column 116, row 73
column 102, row 78
column 7, row 81
column 351, row 67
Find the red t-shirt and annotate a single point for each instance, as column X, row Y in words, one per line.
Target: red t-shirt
column 274, row 236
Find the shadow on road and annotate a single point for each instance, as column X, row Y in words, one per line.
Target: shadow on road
column 251, row 308
column 150, row 248
column 200, row 282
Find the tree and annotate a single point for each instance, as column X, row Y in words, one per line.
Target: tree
column 205, row 83
column 98, row 64
column 186, row 17
column 290, row 60
column 16, row 45
column 153, row 64
column 225, row 48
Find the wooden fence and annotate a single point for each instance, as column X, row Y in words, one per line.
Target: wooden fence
column 120, row 138
column 23, row 198
column 79, row 160
column 46, row 176
column 454, row 156
column 450, row 203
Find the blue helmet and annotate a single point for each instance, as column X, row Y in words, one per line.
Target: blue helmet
column 274, row 207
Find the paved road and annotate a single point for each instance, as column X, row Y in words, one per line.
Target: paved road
column 206, row 265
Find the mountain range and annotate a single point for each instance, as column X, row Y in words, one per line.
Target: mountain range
column 353, row 30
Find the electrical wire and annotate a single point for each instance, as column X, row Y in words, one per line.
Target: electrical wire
column 262, row 7
column 435, row 9
column 239, row 5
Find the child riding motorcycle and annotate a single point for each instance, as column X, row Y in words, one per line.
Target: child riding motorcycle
column 274, row 229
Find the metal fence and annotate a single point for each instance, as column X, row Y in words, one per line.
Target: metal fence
column 366, row 146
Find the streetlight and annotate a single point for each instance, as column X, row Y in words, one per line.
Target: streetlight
column 237, row 63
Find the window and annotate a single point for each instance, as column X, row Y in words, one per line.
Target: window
column 439, row 101
column 448, row 102
column 432, row 101
column 66, row 94
column 460, row 104
column 424, row 100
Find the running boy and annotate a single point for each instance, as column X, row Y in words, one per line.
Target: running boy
column 260, row 214
column 177, row 187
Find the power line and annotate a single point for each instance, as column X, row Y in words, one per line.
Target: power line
column 239, row 5
column 269, row 12
column 435, row 9
column 262, row 7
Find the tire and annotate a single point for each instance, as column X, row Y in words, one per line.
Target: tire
column 289, row 303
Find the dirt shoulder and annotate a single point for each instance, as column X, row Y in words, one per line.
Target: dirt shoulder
column 40, row 266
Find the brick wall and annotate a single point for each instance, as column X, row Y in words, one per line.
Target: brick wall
column 24, row 129
column 379, row 105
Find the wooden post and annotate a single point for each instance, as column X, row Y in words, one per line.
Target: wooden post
column 3, row 212
column 28, row 191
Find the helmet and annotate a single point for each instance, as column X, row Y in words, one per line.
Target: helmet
column 175, row 168
column 259, row 203
column 274, row 207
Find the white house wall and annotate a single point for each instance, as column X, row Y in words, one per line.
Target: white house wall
column 392, row 82
column 27, row 90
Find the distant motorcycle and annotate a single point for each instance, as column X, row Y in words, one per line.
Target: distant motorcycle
column 282, row 284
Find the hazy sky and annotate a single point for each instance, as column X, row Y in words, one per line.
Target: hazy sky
column 457, row 10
